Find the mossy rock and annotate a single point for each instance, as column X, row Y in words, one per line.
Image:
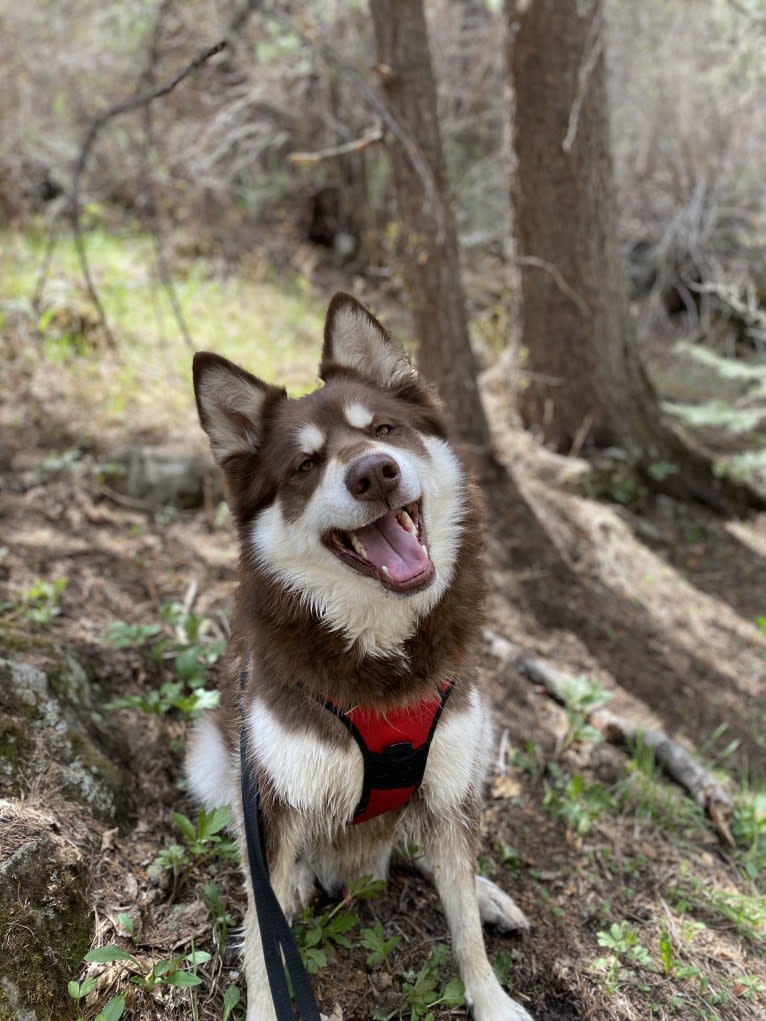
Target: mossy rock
column 51, row 732
column 45, row 921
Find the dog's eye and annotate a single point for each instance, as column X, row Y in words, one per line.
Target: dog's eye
column 306, row 465
column 383, row 430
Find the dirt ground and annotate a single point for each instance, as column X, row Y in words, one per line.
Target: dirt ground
column 657, row 603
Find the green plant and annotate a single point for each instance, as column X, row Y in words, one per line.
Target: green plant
column 375, row 941
column 185, row 639
column 203, row 841
column 661, row 470
column 178, row 971
column 223, row 920
column 645, row 793
column 318, row 935
column 203, row 837
column 626, row 953
column 582, row 695
column 111, row 1011
column 127, row 925
column 231, row 1000
column 426, row 989
column 748, row 827
column 40, row 604
column 502, row 970
column 577, row 803
column 121, row 635
column 167, row 972
column 746, row 912
column 527, row 758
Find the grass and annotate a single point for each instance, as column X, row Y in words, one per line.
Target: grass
column 274, row 327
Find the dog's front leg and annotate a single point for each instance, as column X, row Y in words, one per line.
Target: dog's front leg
column 450, row 857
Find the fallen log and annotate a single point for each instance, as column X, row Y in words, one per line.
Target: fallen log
column 676, row 761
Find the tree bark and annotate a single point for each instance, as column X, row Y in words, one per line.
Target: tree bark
column 586, row 378
column 428, row 242
column 571, row 287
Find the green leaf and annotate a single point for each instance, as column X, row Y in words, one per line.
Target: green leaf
column 231, row 998
column 113, row 1010
column 218, row 819
column 198, row 957
column 187, row 663
column 73, row 988
column 313, row 959
column 111, row 952
column 454, row 993
column 185, row 825
column 183, row 979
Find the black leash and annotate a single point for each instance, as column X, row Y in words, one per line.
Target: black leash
column 279, row 948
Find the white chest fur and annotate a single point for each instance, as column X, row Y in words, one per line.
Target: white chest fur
column 457, row 761
column 314, row 777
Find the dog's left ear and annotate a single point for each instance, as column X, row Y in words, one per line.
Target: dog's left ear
column 354, row 339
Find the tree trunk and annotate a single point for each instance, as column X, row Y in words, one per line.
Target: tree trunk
column 571, row 281
column 586, row 379
column 428, row 242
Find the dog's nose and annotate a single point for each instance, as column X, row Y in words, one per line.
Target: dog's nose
column 373, row 477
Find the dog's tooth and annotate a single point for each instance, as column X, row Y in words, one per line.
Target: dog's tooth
column 425, row 550
column 406, row 521
column 385, row 570
column 359, row 546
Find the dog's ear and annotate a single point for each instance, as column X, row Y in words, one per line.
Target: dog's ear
column 230, row 402
column 354, row 339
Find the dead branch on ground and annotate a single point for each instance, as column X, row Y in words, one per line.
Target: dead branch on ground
column 678, row 763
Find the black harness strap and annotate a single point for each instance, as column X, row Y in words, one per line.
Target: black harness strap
column 400, row 766
column 279, row 948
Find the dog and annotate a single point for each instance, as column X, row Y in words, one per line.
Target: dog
column 357, row 611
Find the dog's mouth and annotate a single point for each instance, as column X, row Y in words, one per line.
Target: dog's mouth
column 392, row 549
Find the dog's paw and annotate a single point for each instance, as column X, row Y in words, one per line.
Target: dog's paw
column 508, row 1011
column 497, row 908
column 492, row 1003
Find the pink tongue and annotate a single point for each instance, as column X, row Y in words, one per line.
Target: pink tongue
column 389, row 545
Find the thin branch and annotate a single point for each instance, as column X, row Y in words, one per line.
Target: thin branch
column 163, row 269
column 369, row 138
column 54, row 230
column 558, row 278
column 678, row 763
column 594, row 47
column 412, row 150
column 137, row 102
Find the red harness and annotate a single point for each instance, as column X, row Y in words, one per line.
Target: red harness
column 394, row 747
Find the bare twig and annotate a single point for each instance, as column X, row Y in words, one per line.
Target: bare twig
column 137, row 102
column 54, row 230
column 678, row 763
column 558, row 278
column 369, row 138
column 163, row 269
column 594, row 47
column 411, row 149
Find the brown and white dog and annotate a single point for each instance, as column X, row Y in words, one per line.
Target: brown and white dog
column 360, row 586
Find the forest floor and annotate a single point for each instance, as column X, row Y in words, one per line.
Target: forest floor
column 637, row 907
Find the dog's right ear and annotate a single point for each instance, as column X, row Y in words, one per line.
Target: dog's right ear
column 230, row 402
